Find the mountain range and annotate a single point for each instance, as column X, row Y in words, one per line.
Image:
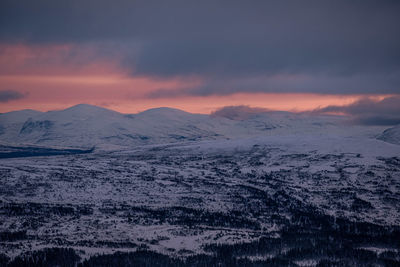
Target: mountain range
column 86, row 126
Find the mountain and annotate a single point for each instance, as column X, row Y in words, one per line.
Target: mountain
column 87, row 126
column 80, row 125
column 10, row 123
column 391, row 135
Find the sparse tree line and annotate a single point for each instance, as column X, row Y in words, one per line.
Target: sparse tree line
column 309, row 235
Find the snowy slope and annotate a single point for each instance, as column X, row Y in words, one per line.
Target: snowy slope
column 10, row 123
column 81, row 125
column 391, row 135
column 230, row 191
column 86, row 126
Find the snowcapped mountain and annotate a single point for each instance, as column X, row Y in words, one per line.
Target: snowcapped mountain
column 86, row 126
column 10, row 123
column 391, row 135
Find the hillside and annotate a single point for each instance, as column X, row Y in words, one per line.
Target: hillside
column 85, row 126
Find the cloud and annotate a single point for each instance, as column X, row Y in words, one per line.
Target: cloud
column 10, row 95
column 234, row 46
column 368, row 111
column 289, row 83
column 238, row 112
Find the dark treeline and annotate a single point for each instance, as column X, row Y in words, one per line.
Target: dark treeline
column 67, row 257
column 32, row 209
column 307, row 235
column 182, row 216
column 328, row 240
column 18, row 152
column 12, row 236
column 310, row 236
column 63, row 257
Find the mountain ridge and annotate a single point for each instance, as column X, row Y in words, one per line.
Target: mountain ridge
column 391, row 135
column 85, row 125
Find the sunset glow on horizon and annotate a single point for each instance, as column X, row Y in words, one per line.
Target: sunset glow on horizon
column 240, row 60
column 47, row 81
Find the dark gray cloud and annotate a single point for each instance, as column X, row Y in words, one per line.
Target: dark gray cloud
column 340, row 46
column 9, row 95
column 370, row 112
column 287, row 83
column 238, row 112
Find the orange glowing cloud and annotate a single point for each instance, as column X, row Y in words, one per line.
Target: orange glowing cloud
column 52, row 79
column 58, row 76
column 207, row 104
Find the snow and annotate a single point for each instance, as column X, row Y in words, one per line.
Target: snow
column 87, row 126
column 188, row 166
column 391, row 135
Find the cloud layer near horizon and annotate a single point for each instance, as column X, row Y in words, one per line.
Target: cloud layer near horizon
column 368, row 111
column 324, row 47
column 238, row 112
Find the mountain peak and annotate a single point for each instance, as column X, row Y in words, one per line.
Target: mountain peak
column 85, row 107
column 164, row 110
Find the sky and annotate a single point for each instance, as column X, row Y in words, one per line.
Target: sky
column 200, row 56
